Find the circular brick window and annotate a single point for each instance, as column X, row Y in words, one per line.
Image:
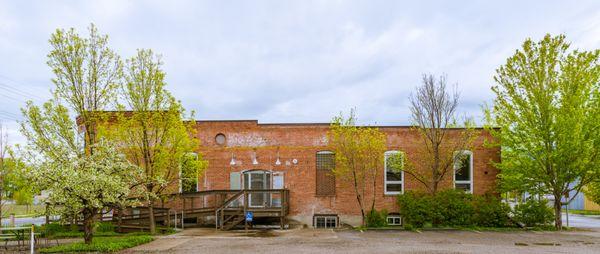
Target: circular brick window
column 220, row 139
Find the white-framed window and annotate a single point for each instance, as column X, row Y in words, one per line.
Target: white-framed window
column 188, row 175
column 393, row 176
column 463, row 171
column 394, row 220
column 325, row 221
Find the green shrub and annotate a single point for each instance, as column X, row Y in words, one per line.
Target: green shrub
column 376, row 219
column 533, row 213
column 452, row 208
column 415, row 209
column 105, row 227
column 490, row 211
column 53, row 228
column 101, row 244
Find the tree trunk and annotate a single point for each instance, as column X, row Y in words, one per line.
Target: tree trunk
column 151, row 216
column 88, row 226
column 558, row 212
column 362, row 213
column 120, row 223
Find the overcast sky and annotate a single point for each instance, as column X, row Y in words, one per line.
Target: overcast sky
column 293, row 61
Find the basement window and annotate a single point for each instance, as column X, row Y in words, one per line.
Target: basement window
column 325, row 221
column 394, row 220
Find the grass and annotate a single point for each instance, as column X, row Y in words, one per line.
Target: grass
column 584, row 212
column 22, row 210
column 101, row 244
column 76, row 234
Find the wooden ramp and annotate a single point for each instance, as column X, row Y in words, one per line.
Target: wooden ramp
column 225, row 209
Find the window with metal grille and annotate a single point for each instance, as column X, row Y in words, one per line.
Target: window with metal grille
column 325, row 178
column 325, row 221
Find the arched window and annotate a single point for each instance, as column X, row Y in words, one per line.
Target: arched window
column 325, row 180
column 463, row 170
column 393, row 173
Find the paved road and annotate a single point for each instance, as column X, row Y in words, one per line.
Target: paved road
column 580, row 221
column 575, row 220
column 24, row 221
column 375, row 241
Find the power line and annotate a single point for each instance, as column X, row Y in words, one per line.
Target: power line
column 12, row 98
column 24, row 91
column 8, row 117
column 9, row 113
column 16, row 91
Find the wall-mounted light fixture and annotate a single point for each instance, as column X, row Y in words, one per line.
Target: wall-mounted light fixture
column 278, row 162
column 254, row 160
column 232, row 162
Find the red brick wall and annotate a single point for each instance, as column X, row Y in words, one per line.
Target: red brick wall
column 301, row 142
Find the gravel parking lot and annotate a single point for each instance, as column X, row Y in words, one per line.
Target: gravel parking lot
column 376, row 241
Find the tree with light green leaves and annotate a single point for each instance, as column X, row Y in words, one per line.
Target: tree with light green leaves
column 151, row 128
column 547, row 110
column 83, row 174
column 358, row 158
column 14, row 185
column 6, row 170
column 78, row 183
column 86, row 76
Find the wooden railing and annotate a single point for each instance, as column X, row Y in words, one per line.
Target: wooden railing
column 228, row 206
column 275, row 201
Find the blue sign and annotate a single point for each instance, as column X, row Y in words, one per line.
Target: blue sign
column 249, row 216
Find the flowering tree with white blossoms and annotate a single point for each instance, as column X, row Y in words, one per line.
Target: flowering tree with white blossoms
column 78, row 182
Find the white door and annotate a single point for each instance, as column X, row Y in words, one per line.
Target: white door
column 258, row 180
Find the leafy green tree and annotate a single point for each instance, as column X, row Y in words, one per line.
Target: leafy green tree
column 79, row 183
column 547, row 110
column 358, row 157
column 87, row 74
column 153, row 132
column 5, row 169
column 62, row 152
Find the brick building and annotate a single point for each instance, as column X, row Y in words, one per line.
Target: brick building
column 248, row 155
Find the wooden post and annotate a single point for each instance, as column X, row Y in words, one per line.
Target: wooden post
column 169, row 218
column 245, row 210
column 166, row 215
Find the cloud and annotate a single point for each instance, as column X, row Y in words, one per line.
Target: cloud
column 304, row 61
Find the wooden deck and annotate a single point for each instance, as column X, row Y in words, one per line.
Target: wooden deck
column 225, row 209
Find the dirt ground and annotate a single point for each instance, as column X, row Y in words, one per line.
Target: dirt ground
column 377, row 241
